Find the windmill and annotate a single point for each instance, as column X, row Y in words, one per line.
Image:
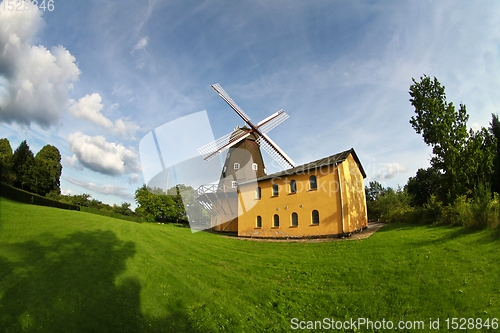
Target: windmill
column 244, row 144
column 214, row 148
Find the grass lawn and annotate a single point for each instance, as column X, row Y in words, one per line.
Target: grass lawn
column 70, row 271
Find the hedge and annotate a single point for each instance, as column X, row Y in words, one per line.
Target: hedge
column 16, row 194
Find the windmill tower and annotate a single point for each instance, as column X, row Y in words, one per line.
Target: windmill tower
column 243, row 163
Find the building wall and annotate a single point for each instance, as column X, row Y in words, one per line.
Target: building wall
column 325, row 199
column 354, row 199
column 226, row 218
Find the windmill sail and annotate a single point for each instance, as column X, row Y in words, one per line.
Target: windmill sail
column 275, row 152
column 230, row 101
column 214, row 148
column 272, row 121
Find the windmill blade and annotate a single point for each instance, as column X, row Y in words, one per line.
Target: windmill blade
column 230, row 101
column 272, row 121
column 215, row 147
column 274, row 151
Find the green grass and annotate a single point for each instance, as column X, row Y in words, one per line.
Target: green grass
column 70, row 271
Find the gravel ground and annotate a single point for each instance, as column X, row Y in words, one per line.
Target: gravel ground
column 373, row 227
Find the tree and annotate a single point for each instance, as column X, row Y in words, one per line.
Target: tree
column 441, row 126
column 188, row 207
column 154, row 203
column 23, row 164
column 48, row 170
column 6, row 173
column 425, row 183
column 175, row 193
column 462, row 159
column 373, row 192
column 124, row 209
column 477, row 161
column 495, row 131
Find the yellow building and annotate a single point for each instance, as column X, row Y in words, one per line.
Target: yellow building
column 322, row 198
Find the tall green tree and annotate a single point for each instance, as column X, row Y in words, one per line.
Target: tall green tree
column 175, row 193
column 495, row 131
column 477, row 162
column 23, row 165
column 463, row 159
column 48, row 170
column 373, row 192
column 6, row 173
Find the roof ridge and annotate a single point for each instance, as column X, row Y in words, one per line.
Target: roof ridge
column 335, row 158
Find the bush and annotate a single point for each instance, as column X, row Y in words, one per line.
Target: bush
column 394, row 206
column 19, row 195
column 484, row 209
column 433, row 210
column 458, row 213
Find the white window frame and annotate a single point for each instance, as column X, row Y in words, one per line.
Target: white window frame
column 255, row 166
column 236, row 166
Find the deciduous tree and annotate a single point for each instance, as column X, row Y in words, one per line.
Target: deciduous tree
column 48, row 170
column 154, row 203
column 462, row 159
column 6, row 173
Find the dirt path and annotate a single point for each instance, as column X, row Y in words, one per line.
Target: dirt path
column 372, row 228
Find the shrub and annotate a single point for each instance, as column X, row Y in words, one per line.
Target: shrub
column 433, row 210
column 484, row 208
column 458, row 213
column 394, row 206
column 19, row 195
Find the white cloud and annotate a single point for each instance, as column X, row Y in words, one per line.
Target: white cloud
column 141, row 44
column 66, row 192
column 89, row 108
column 104, row 157
column 389, row 171
column 134, row 179
column 35, row 80
column 123, row 127
column 104, row 189
column 71, row 162
column 114, row 106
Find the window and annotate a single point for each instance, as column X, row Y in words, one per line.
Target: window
column 259, row 222
column 234, row 184
column 275, row 190
column 276, row 220
column 259, row 193
column 312, row 183
column 224, row 170
column 255, row 166
column 236, row 166
column 293, row 186
column 315, row 217
column 295, row 219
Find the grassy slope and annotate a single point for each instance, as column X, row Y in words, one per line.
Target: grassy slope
column 68, row 271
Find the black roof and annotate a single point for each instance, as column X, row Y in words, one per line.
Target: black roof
column 334, row 159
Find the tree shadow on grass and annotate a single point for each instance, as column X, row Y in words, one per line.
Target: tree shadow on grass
column 397, row 226
column 453, row 232
column 70, row 285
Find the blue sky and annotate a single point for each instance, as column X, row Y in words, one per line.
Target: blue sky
column 94, row 77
